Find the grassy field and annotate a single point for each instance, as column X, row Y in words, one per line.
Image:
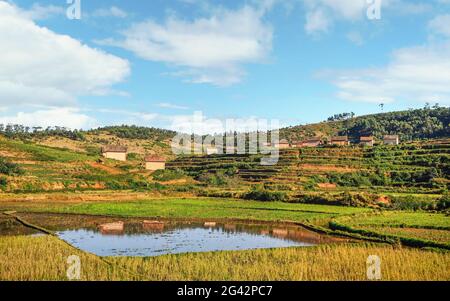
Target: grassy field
column 194, row 208
column 404, row 219
column 413, row 228
column 45, row 258
column 442, row 236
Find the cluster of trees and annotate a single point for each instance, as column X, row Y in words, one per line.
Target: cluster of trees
column 17, row 131
column 426, row 123
column 380, row 178
column 136, row 132
column 341, row 117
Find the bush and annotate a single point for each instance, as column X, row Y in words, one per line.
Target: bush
column 444, row 202
column 9, row 168
column 217, row 179
column 261, row 194
column 3, row 182
column 93, row 151
column 133, row 157
column 168, row 175
column 412, row 203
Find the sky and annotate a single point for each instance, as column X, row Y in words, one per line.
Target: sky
column 157, row 62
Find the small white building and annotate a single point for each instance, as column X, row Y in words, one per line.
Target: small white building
column 115, row 152
column 154, row 163
column 391, row 140
column 283, row 144
column 212, row 151
column 367, row 140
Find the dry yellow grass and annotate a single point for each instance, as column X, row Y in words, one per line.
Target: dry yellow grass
column 45, row 258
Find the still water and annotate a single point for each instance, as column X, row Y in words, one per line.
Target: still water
column 107, row 236
column 177, row 237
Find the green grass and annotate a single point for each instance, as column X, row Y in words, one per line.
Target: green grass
column 442, row 236
column 44, row 153
column 203, row 208
column 404, row 219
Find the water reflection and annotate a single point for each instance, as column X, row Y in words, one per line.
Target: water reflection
column 108, row 236
column 153, row 238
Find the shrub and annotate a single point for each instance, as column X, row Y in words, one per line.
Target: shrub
column 217, row 179
column 93, row 151
column 261, row 194
column 412, row 203
column 168, row 175
column 9, row 168
column 3, row 182
column 444, row 202
column 133, row 156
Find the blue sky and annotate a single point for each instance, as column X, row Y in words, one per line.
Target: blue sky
column 156, row 62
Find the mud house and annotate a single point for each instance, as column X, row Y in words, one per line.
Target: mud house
column 312, row 142
column 367, row 140
column 295, row 144
column 153, row 162
column 230, row 150
column 212, row 151
column 283, row 144
column 391, row 140
column 340, row 141
column 115, row 152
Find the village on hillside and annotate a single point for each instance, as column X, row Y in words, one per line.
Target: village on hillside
column 155, row 162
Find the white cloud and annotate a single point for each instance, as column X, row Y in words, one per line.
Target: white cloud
column 440, row 25
column 321, row 15
column 414, row 74
column 355, row 37
column 143, row 116
column 206, row 50
column 66, row 117
column 167, row 105
column 41, row 67
column 41, row 12
column 112, row 11
column 317, row 22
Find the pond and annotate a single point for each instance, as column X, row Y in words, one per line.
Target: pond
column 187, row 237
column 106, row 236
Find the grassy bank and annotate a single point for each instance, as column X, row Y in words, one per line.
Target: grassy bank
column 195, row 208
column 415, row 229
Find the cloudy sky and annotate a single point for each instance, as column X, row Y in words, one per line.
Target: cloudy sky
column 157, row 62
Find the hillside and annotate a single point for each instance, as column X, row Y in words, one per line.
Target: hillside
column 57, row 159
column 139, row 140
column 426, row 123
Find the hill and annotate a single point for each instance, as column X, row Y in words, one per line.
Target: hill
column 426, row 123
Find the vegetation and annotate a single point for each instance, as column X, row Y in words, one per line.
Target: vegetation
column 415, row 229
column 205, row 208
column 413, row 124
column 9, row 168
column 17, row 131
column 168, row 175
column 426, row 123
column 260, row 194
column 136, row 132
column 45, row 258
